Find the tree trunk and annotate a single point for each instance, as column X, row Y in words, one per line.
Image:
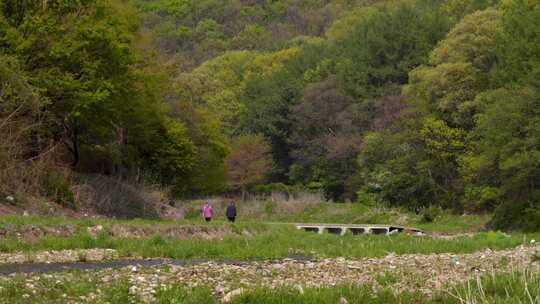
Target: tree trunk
column 71, row 135
column 76, row 151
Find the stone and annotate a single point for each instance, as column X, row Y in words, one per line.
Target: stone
column 231, row 295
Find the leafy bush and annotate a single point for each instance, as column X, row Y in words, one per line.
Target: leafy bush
column 120, row 198
column 58, row 187
column 291, row 190
column 430, row 214
column 523, row 216
column 274, row 187
column 270, row 207
column 366, row 198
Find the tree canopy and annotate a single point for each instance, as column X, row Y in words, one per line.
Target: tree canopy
column 409, row 103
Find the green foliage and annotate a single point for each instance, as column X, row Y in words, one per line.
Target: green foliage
column 175, row 153
column 431, row 213
column 514, row 287
column 498, row 287
column 268, row 241
column 196, row 31
column 178, row 294
column 269, row 207
column 380, row 50
column 461, row 153
column 100, row 99
column 387, row 278
column 58, row 187
column 411, row 103
column 249, row 162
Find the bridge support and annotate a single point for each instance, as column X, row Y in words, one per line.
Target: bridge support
column 341, row 229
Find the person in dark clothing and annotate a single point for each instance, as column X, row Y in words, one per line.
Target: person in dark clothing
column 231, row 212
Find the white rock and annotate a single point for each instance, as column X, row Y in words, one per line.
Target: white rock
column 343, row 301
column 231, row 295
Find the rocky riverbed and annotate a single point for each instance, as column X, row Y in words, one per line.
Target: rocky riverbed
column 425, row 273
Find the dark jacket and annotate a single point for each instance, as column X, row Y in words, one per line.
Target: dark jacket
column 231, row 211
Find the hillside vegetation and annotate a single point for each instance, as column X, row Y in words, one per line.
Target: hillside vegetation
column 409, row 103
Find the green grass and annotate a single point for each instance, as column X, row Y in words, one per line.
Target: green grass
column 80, row 222
column 67, row 290
column 274, row 241
column 517, row 287
column 77, row 287
column 253, row 214
column 178, row 294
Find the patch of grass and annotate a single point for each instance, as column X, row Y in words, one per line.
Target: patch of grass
column 387, row 278
column 515, row 287
column 84, row 287
column 255, row 213
column 456, row 223
column 340, row 294
column 20, row 290
column 276, row 241
column 118, row 292
column 430, row 214
column 510, row 288
column 270, row 207
column 178, row 294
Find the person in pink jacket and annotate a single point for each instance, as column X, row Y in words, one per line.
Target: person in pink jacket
column 207, row 211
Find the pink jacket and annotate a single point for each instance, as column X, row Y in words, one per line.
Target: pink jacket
column 207, row 211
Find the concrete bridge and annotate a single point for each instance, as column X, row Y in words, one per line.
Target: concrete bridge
column 342, row 229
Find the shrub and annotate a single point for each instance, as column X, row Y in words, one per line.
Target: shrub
column 366, row 198
column 518, row 216
column 431, row 213
column 58, row 187
column 270, row 207
column 119, row 198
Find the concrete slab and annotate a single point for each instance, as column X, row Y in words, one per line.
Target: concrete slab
column 342, row 229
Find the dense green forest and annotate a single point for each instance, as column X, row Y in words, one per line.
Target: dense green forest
column 411, row 103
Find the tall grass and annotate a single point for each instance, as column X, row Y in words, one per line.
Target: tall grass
column 276, row 242
column 514, row 287
column 509, row 288
column 255, row 213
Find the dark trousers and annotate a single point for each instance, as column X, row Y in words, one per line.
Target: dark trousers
column 208, row 219
column 231, row 219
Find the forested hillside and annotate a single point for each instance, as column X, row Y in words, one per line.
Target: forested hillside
column 412, row 103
